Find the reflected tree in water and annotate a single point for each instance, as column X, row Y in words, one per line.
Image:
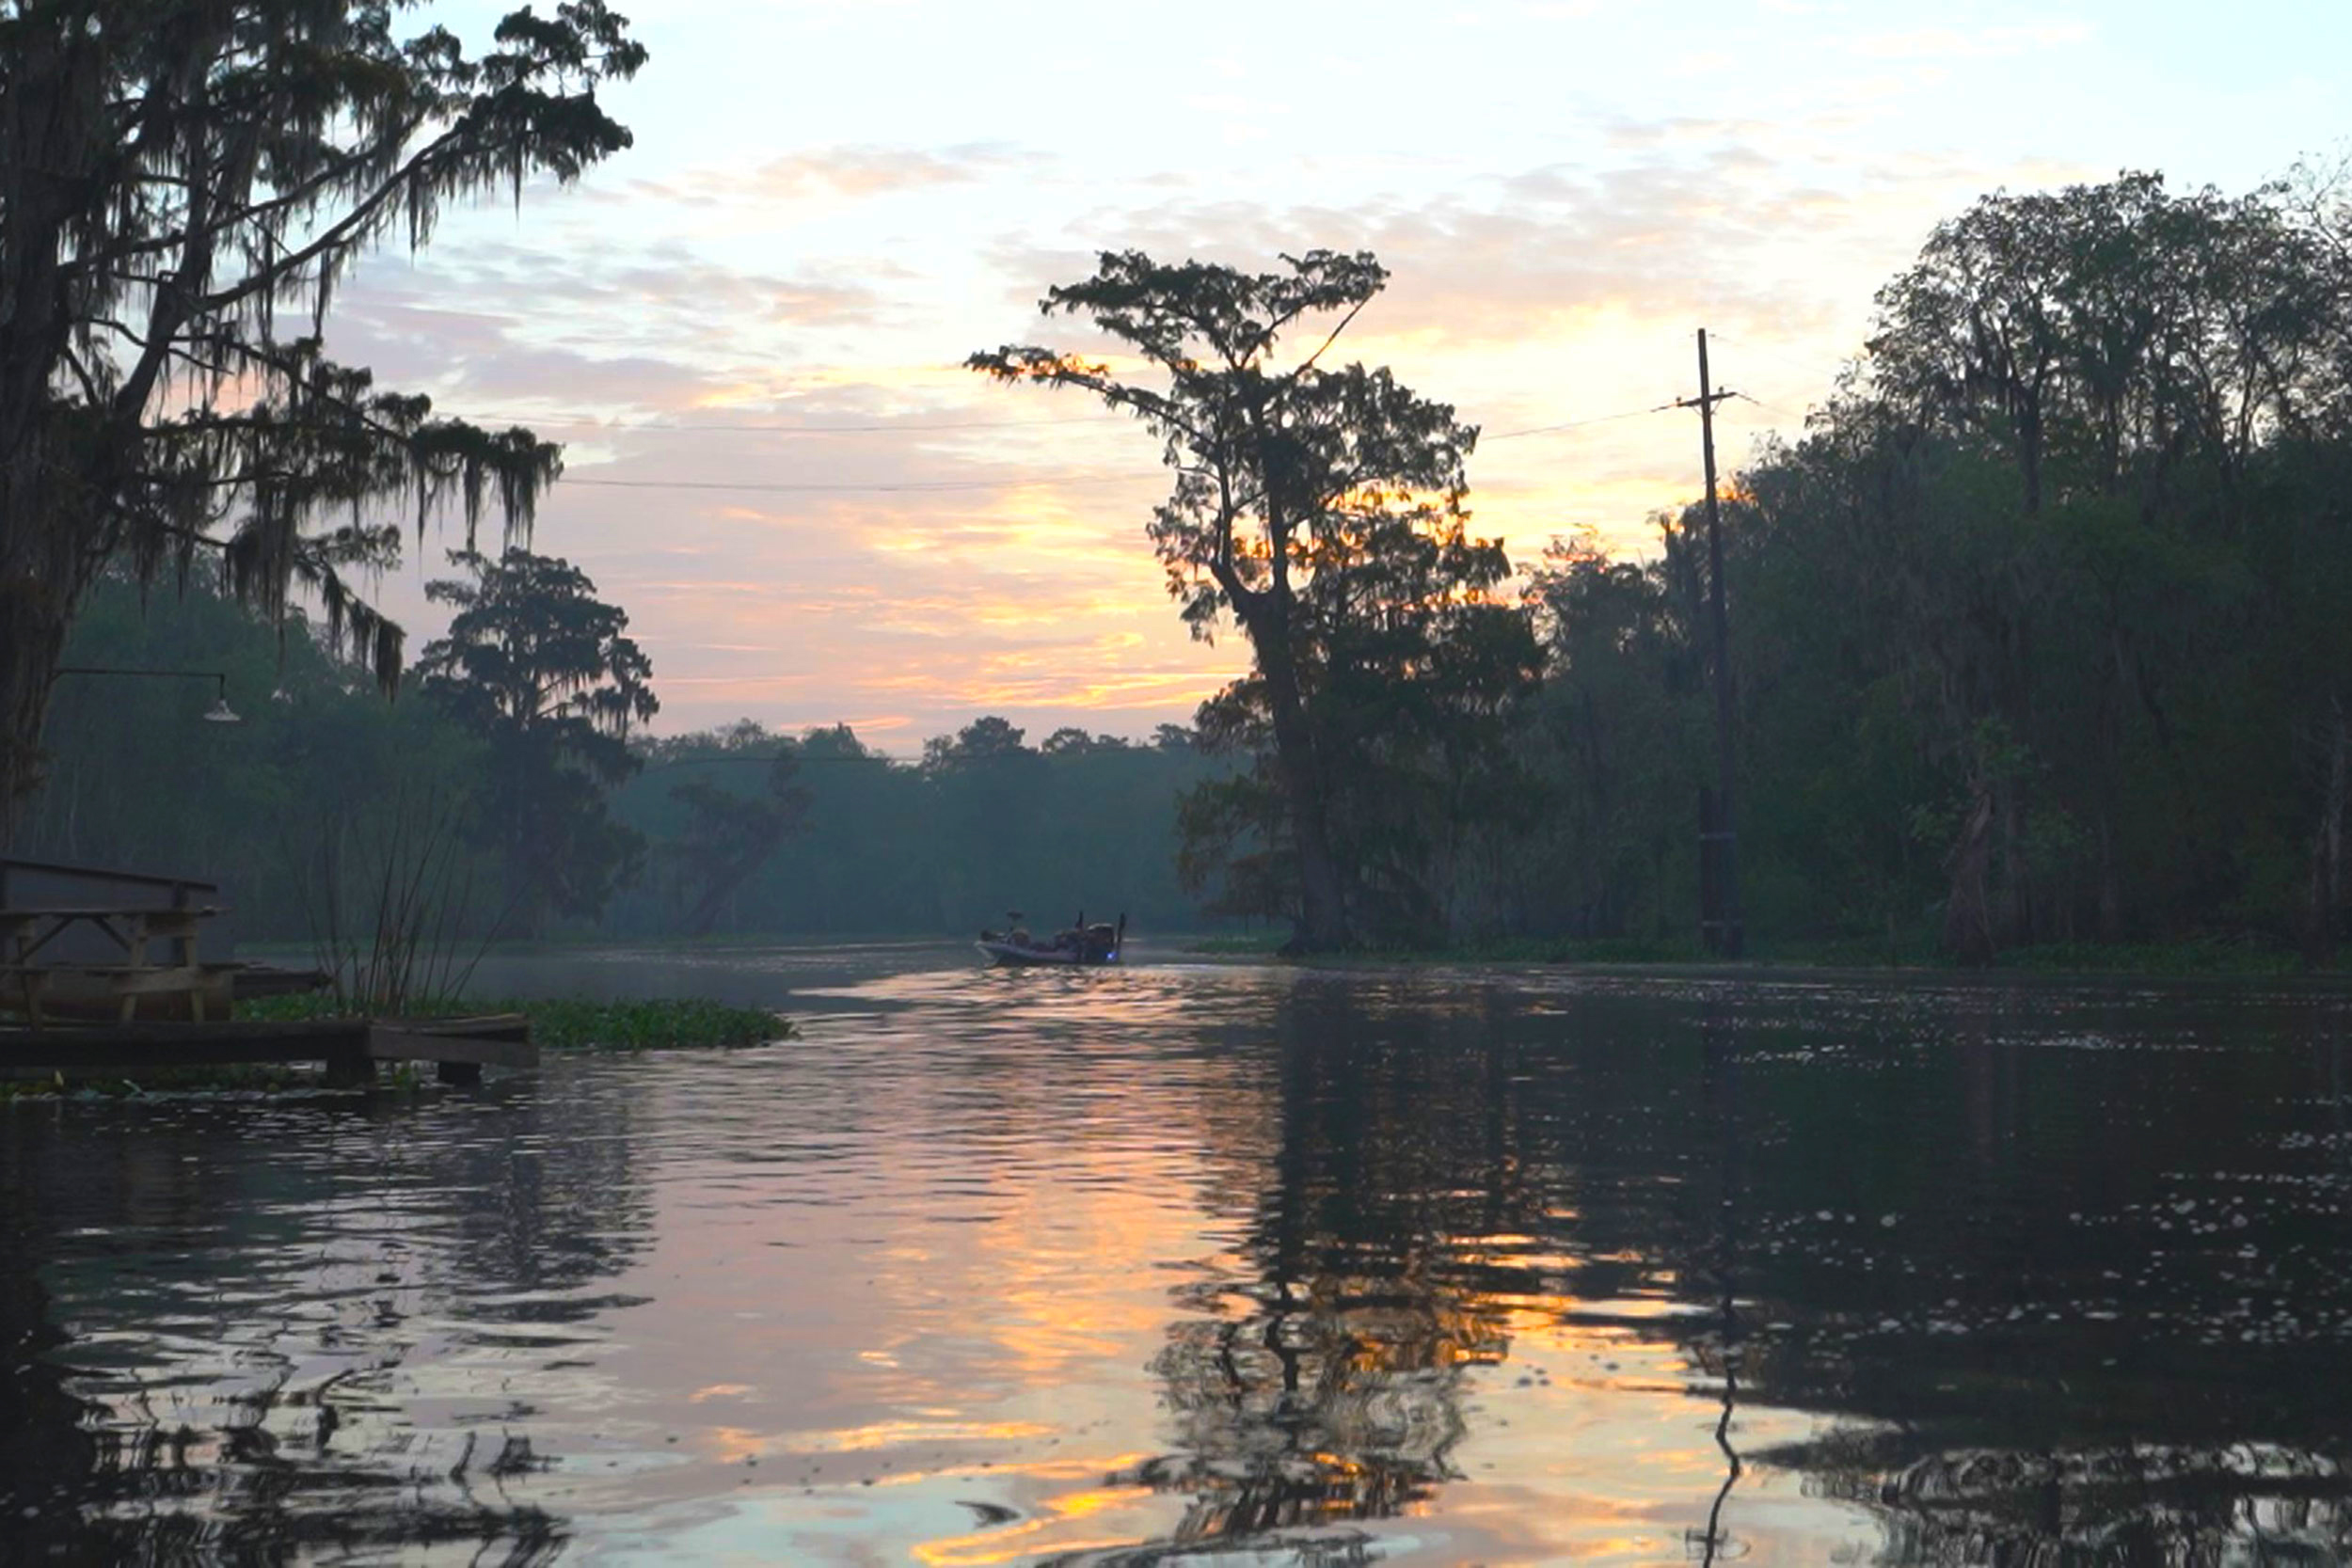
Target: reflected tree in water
column 1865, row 1229
column 2151, row 1504
column 1321, row 1379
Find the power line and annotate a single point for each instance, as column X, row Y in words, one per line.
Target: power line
column 584, row 421
column 1576, row 424
column 951, row 485
column 656, row 763
column 1810, row 367
column 590, row 421
column 1769, row 407
column 920, row 485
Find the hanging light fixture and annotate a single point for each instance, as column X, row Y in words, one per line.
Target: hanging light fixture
column 220, row 713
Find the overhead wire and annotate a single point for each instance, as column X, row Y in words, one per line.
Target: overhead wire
column 654, row 763
column 1811, row 368
column 1577, row 424
column 947, row 487
column 675, row 427
column 1769, row 407
column 919, row 487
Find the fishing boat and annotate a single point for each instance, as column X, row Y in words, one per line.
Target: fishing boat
column 1076, row 945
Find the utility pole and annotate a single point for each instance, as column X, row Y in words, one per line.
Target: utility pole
column 1719, row 839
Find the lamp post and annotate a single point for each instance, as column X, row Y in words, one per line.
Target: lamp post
column 220, row 713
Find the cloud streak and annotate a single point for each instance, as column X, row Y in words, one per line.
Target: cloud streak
column 785, row 311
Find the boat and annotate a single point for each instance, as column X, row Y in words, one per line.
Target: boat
column 1078, row 946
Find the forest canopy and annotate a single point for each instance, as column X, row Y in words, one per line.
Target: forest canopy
column 2037, row 631
column 183, row 187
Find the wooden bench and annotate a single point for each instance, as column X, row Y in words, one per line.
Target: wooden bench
column 115, row 987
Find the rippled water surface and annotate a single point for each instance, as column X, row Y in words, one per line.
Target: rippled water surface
column 1191, row 1263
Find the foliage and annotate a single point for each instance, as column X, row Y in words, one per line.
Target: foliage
column 2039, row 628
column 317, row 769
column 728, row 837
column 401, row 938
column 1323, row 510
column 321, row 760
column 649, row 1025
column 988, row 823
column 537, row 669
column 574, row 1023
column 178, row 176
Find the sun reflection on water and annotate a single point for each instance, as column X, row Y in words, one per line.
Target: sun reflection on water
column 1169, row 1265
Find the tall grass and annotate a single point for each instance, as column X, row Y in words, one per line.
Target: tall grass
column 386, row 896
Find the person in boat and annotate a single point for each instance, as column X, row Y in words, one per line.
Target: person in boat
column 1015, row 932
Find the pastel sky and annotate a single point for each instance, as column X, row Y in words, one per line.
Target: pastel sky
column 748, row 328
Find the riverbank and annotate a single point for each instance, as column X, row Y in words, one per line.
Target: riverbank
column 567, row 1023
column 578, row 1023
column 2213, row 958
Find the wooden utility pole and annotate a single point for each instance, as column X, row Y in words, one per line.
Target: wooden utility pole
column 1719, row 841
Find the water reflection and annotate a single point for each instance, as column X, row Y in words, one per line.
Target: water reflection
column 252, row 1331
column 1226, row 1265
column 1943, row 1232
column 1317, row 1377
column 1720, row 1358
column 2114, row 1334
column 1417, row 1201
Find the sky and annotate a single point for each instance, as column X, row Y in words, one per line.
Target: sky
column 748, row 329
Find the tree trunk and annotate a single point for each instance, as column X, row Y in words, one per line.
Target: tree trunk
column 53, row 149
column 726, row 880
column 2110, row 883
column 1968, row 914
column 1322, row 925
column 32, row 639
column 2016, row 922
column 2339, row 788
column 2325, row 898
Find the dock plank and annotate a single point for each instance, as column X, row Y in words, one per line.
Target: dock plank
column 496, row 1040
column 387, row 1044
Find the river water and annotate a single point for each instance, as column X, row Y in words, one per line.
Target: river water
column 1217, row 1265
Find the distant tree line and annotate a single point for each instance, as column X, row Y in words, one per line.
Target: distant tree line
column 2037, row 635
column 833, row 838
column 182, row 187
column 509, row 777
column 2039, row 631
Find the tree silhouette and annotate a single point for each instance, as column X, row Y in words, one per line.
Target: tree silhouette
column 1296, row 487
column 173, row 177
column 538, row 668
column 729, row 837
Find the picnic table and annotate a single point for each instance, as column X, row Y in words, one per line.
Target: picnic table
column 157, row 944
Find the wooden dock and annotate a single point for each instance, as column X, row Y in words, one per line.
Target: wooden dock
column 348, row 1048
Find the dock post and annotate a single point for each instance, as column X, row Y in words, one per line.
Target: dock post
column 351, row 1067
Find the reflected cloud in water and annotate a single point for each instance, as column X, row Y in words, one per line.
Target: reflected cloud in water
column 1212, row 1264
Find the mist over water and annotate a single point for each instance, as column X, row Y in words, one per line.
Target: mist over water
column 1203, row 1263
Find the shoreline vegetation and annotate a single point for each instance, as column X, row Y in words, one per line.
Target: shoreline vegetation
column 2050, row 628
column 576, row 1024
column 2209, row 957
